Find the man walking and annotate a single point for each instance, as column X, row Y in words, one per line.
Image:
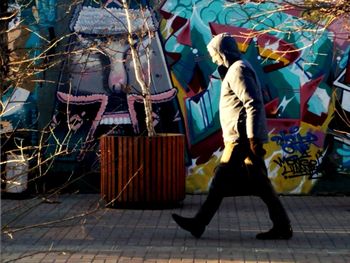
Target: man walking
column 242, row 170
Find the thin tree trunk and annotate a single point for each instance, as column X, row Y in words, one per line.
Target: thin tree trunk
column 139, row 75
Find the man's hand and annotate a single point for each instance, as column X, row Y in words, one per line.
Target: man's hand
column 256, row 147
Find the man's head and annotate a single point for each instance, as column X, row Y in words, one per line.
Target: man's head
column 223, row 50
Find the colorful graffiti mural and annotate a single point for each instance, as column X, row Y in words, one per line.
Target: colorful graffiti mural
column 305, row 76
column 297, row 70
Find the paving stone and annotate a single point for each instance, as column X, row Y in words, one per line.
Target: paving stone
column 321, row 232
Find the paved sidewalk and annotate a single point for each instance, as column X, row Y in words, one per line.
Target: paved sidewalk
column 81, row 232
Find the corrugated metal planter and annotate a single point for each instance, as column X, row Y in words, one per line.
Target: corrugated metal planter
column 141, row 171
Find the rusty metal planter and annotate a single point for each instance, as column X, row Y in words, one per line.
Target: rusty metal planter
column 143, row 171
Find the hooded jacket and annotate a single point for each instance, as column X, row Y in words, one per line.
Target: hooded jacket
column 242, row 113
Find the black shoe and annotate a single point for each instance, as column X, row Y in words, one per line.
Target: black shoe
column 276, row 233
column 189, row 224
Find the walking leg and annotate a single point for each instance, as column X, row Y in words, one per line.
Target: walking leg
column 197, row 224
column 281, row 223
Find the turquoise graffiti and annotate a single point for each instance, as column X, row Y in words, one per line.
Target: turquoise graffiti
column 296, row 67
column 33, row 29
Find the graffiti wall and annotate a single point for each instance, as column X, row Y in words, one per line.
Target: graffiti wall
column 304, row 87
column 305, row 76
column 98, row 83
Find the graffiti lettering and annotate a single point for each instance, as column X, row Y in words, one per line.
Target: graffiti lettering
column 296, row 166
column 293, row 141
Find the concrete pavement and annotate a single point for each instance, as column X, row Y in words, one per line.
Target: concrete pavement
column 76, row 228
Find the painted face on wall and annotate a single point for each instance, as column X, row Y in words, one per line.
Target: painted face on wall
column 109, row 70
column 100, row 68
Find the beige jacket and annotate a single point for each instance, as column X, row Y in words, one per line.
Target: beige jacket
column 242, row 112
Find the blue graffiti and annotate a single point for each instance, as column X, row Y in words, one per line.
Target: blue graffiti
column 292, row 141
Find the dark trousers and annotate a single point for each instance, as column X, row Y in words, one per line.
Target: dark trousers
column 237, row 178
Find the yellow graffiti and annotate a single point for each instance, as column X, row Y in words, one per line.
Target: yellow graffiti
column 272, row 54
column 181, row 94
column 199, row 175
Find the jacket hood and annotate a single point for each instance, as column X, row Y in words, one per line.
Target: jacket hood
column 226, row 46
